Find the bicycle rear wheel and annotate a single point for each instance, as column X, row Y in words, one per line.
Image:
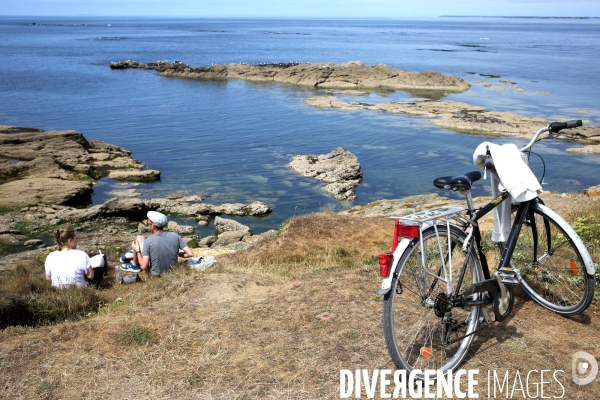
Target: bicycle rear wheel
column 422, row 330
column 551, row 263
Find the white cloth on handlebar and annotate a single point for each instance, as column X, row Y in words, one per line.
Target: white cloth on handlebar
column 513, row 175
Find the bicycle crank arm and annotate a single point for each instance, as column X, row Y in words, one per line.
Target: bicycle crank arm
column 491, row 286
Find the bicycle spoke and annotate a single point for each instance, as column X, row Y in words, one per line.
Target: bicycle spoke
column 557, row 279
column 417, row 337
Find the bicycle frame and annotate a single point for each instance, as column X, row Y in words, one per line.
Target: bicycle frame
column 512, row 237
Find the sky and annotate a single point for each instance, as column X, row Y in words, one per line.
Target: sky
column 301, row 8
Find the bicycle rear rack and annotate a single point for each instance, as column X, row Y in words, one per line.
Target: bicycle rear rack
column 433, row 214
column 422, row 220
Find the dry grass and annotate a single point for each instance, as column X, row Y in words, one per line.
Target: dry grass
column 250, row 328
column 317, row 242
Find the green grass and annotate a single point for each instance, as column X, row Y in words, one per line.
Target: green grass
column 137, row 335
column 7, row 210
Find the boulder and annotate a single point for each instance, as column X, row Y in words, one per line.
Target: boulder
column 207, row 241
column 228, row 225
column 202, row 222
column 254, row 208
column 13, row 239
column 340, row 169
column 229, row 237
column 181, row 229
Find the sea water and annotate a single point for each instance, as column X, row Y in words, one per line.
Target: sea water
column 230, row 141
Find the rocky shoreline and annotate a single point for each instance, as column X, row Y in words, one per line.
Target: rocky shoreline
column 46, row 176
column 59, row 167
column 348, row 75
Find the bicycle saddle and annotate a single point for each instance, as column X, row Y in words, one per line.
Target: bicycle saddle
column 458, row 182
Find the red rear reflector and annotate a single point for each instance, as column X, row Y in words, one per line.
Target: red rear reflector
column 385, row 264
column 406, row 231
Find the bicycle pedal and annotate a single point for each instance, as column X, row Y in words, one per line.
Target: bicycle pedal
column 508, row 276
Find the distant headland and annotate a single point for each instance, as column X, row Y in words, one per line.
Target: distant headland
column 513, row 16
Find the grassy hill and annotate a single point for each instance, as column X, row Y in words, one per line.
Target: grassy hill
column 278, row 320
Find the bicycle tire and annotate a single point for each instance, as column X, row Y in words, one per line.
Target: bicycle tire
column 553, row 272
column 410, row 325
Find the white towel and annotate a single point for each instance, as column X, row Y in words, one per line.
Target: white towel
column 512, row 174
column 201, row 262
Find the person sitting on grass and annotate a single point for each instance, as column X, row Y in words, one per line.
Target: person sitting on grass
column 69, row 266
column 159, row 252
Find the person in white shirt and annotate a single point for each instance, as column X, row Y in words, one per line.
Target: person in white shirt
column 68, row 266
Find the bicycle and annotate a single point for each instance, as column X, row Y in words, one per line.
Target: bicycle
column 432, row 308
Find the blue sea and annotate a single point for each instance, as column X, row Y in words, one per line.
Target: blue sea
column 231, row 141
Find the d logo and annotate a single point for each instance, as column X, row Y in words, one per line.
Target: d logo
column 585, row 368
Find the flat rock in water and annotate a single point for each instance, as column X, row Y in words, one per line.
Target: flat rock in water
column 43, row 190
column 349, row 75
column 149, row 175
column 340, row 169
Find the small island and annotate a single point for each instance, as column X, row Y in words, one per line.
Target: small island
column 348, row 75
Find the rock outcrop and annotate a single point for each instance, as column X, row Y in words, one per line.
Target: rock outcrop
column 56, row 167
column 148, row 175
column 340, row 169
column 349, row 75
column 230, row 231
column 230, row 225
column 42, row 173
column 181, row 229
column 407, row 205
column 133, row 208
column 463, row 117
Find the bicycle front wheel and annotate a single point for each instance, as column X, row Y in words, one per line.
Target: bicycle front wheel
column 422, row 329
column 551, row 264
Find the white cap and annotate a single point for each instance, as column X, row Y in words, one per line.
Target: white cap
column 157, row 218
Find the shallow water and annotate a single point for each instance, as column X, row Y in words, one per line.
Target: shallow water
column 231, row 141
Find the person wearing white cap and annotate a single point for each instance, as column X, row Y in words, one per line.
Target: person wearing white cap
column 160, row 251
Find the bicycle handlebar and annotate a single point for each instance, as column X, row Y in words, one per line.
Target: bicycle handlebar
column 554, row 127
